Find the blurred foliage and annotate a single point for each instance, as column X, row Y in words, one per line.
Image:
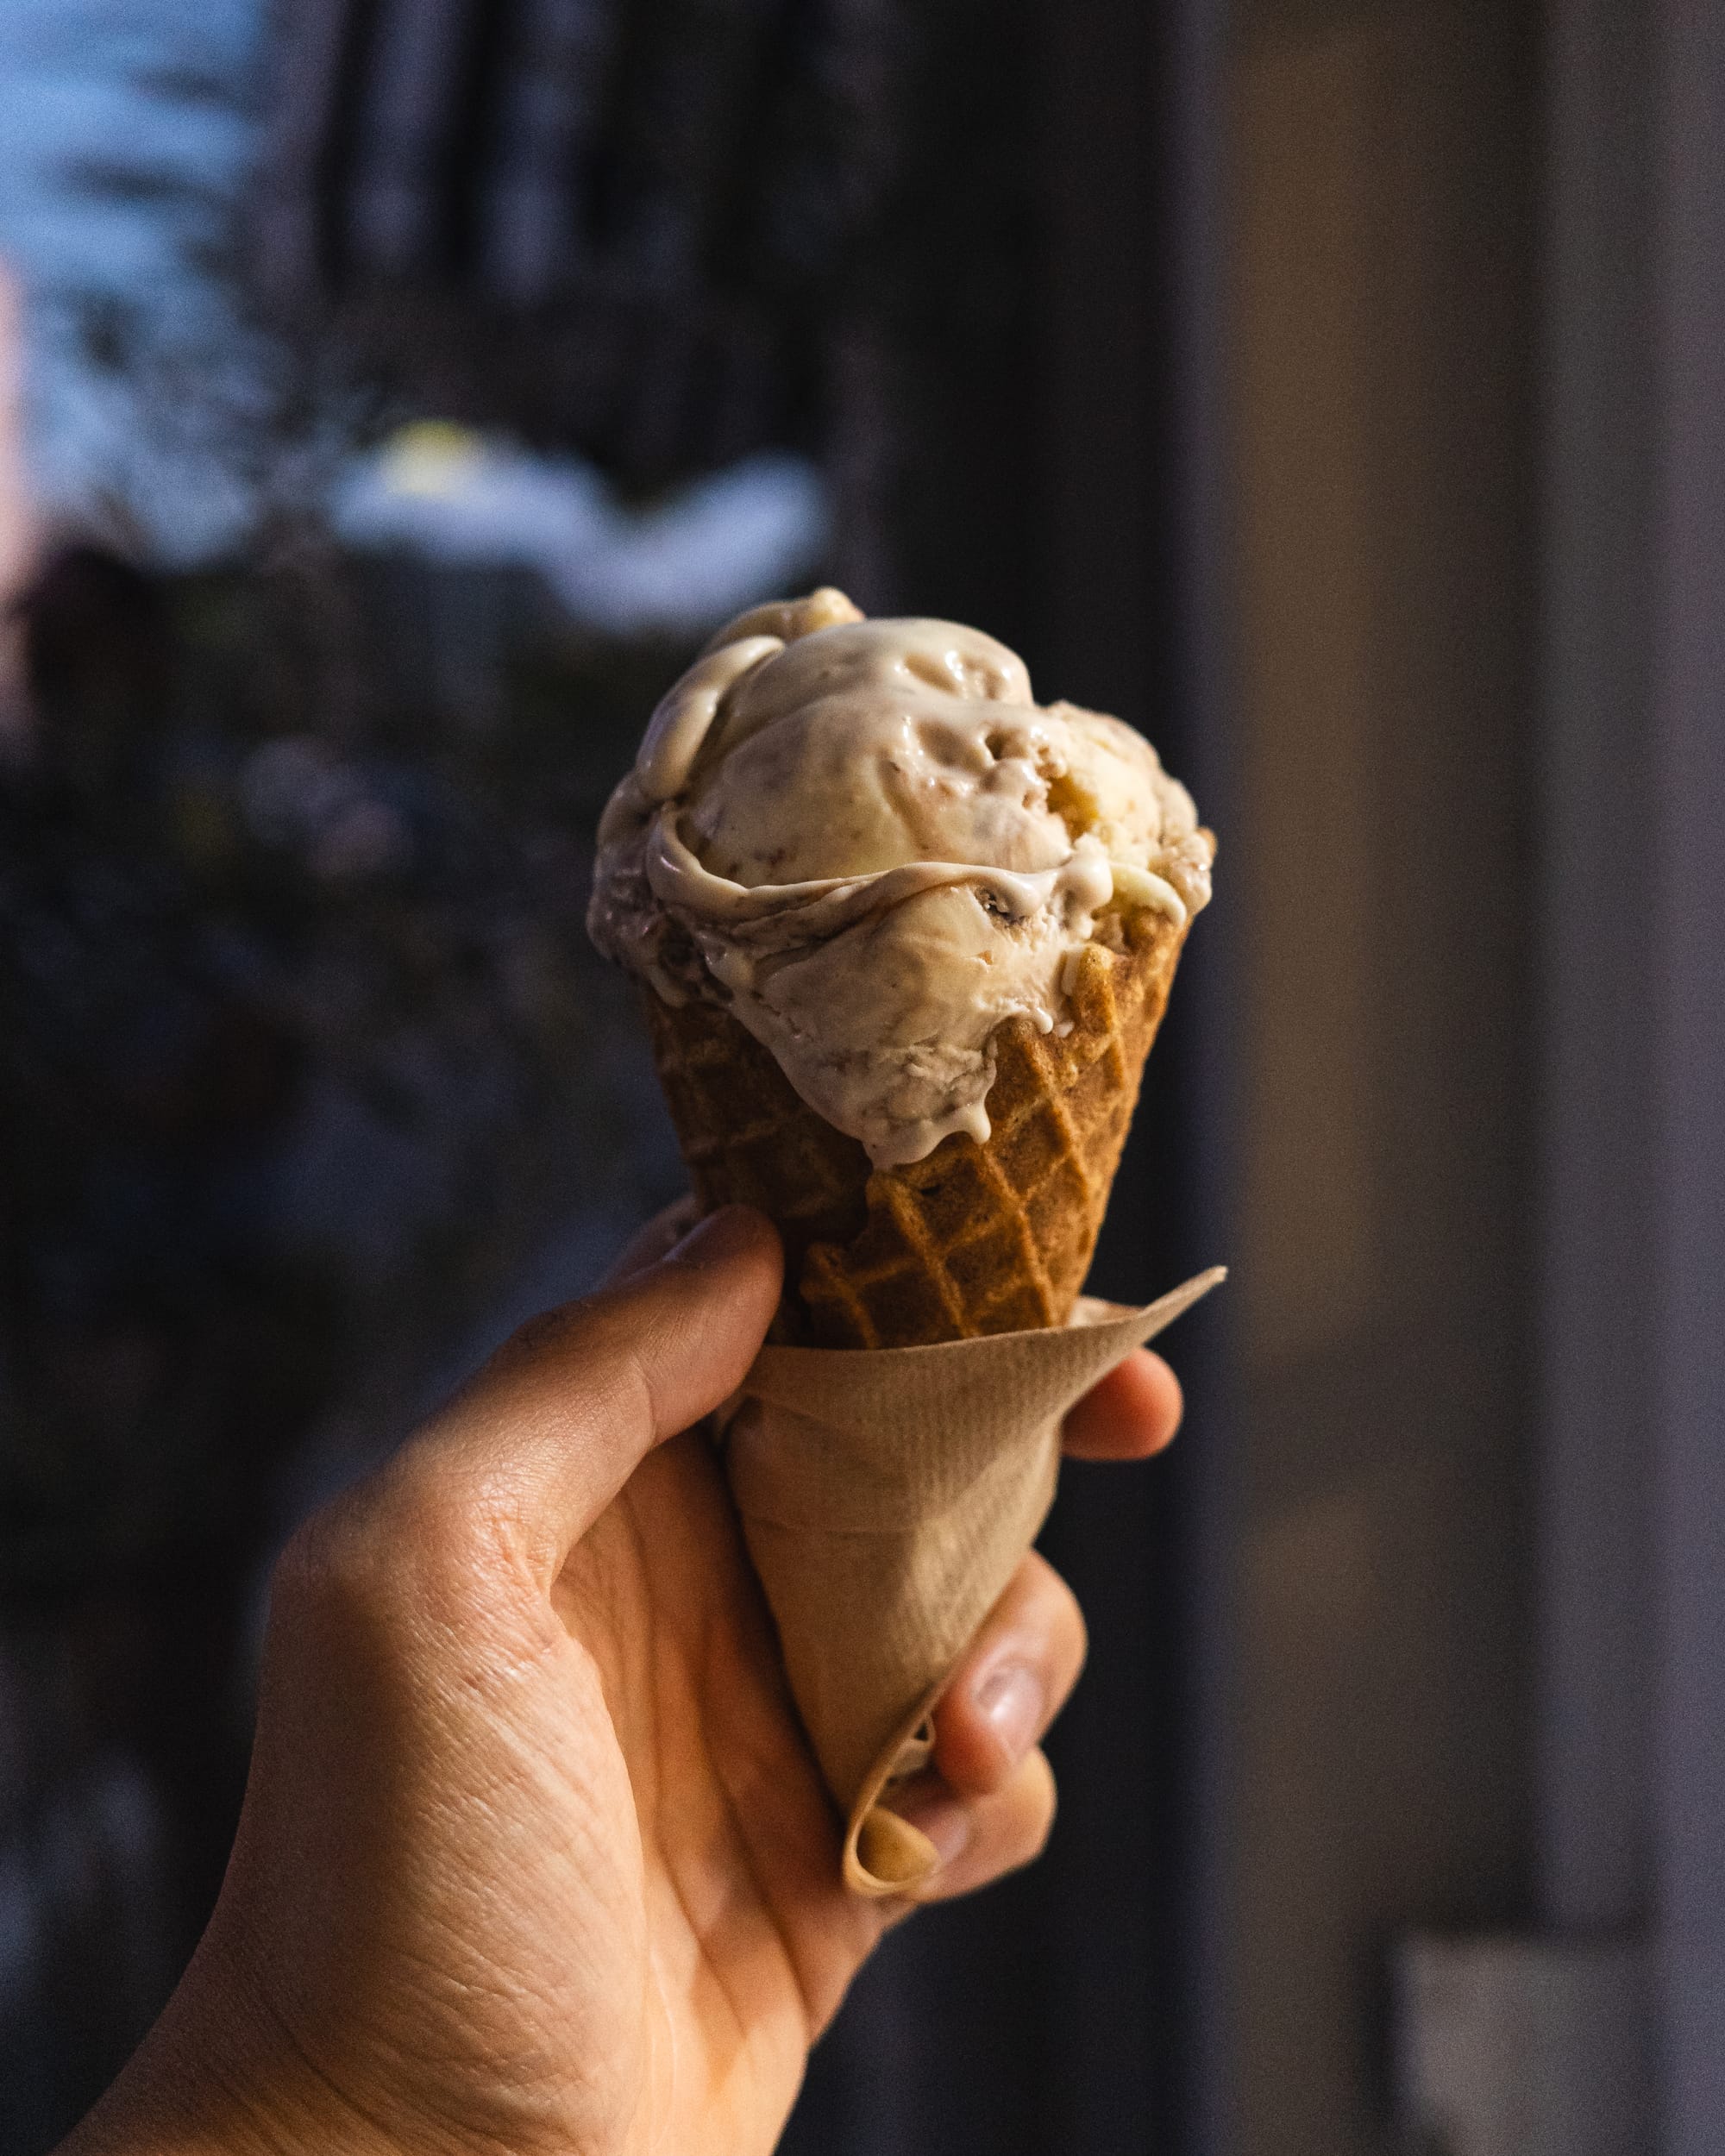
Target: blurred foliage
column 306, row 1048
column 304, row 1051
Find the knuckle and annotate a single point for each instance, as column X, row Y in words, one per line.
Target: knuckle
column 455, row 1536
column 413, row 1541
column 330, row 1559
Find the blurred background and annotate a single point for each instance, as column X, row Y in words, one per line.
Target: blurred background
column 393, row 394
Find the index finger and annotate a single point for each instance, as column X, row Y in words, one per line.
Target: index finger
column 1131, row 1413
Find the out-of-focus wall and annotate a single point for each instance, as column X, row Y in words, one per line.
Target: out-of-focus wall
column 1382, row 310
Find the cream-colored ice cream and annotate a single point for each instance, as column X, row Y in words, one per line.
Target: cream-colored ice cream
column 869, row 843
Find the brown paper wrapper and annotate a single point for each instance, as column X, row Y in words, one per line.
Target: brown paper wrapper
column 886, row 1496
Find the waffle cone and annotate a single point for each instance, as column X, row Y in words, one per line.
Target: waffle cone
column 886, row 1503
column 971, row 1240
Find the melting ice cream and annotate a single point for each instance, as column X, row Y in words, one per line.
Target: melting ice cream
column 869, row 843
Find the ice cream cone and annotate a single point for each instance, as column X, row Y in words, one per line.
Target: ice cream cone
column 974, row 1238
column 906, row 937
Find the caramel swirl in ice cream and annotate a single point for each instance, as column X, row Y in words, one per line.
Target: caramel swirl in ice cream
column 869, row 841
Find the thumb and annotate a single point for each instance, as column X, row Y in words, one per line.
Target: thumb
column 541, row 1441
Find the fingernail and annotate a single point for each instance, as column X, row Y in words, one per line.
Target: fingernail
column 1012, row 1702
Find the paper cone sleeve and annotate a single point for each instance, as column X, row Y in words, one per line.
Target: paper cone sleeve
column 886, row 1500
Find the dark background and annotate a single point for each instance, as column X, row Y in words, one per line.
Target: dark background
column 1328, row 386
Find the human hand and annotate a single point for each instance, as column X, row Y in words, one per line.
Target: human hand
column 534, row 1856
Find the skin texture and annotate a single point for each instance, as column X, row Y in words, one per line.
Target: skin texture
column 534, row 1857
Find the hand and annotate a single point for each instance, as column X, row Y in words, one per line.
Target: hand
column 534, row 1856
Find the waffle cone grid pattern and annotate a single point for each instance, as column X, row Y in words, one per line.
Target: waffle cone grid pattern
column 972, row 1239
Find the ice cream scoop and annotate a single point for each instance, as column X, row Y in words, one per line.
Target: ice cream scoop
column 867, row 841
